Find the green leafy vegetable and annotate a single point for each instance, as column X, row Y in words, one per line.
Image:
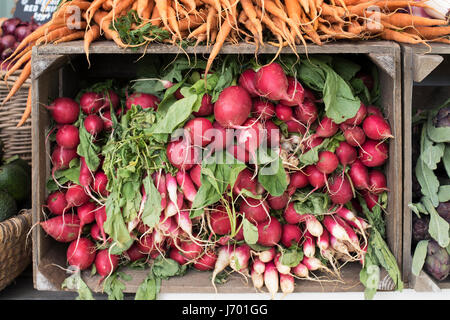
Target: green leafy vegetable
column 420, row 253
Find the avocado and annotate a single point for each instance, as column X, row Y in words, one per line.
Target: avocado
column 16, row 181
column 8, row 206
column 19, row 161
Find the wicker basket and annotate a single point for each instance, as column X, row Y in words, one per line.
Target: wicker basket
column 17, row 141
column 15, row 247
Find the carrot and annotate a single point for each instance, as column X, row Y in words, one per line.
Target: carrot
column 404, row 37
column 336, row 12
column 222, row 35
column 192, row 6
column 162, row 9
column 141, row 5
column 27, row 110
column 107, row 5
column 304, row 4
column 249, row 10
column 19, row 82
column 198, row 31
column 192, row 21
column 211, row 21
column 113, row 34
column 148, row 10
column 430, row 33
column 24, row 59
column 95, row 5
column 392, row 5
column 407, row 20
column 91, row 34
column 156, row 18
column 173, row 23
column 74, row 36
column 118, row 7
column 134, row 5
column 56, row 34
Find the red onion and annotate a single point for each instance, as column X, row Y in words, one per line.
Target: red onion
column 6, row 53
column 22, row 32
column 9, row 26
column 8, row 41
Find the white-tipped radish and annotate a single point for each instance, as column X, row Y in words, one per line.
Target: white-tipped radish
column 314, row 227
column 258, row 266
column 300, row 271
column 271, row 279
column 223, row 261
column 240, row 257
column 282, row 269
column 309, row 247
column 257, row 279
column 267, row 255
column 187, row 185
column 335, row 229
column 173, row 208
column 171, row 183
column 287, row 283
column 323, row 241
column 313, row 264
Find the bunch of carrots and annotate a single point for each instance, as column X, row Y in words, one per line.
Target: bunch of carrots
column 213, row 22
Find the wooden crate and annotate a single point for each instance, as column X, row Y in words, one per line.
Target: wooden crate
column 425, row 83
column 56, row 72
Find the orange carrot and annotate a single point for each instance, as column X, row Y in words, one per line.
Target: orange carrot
column 211, row 21
column 26, row 71
column 141, row 5
column 222, row 35
column 27, row 110
column 198, row 31
column 95, row 5
column 156, row 18
column 173, row 23
column 74, row 36
column 91, row 34
column 192, row 21
column 107, row 5
column 249, row 10
column 404, row 37
column 56, row 34
column 23, row 60
column 162, row 9
column 407, row 20
column 430, row 33
column 148, row 10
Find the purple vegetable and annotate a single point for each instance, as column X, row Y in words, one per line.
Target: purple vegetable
column 8, row 41
column 21, row 32
column 10, row 25
column 6, row 53
column 437, row 262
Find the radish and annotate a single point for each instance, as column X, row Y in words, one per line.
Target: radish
column 352, row 219
column 91, row 102
column 359, row 175
column 232, row 107
column 251, row 136
column 287, row 283
column 267, row 255
column 272, row 133
column 181, row 154
column 370, row 198
column 63, row 228
column 257, row 279
column 291, row 234
column 184, row 222
column 359, row 117
column 254, row 210
column 221, row 138
column 206, row 107
column 295, row 93
column 190, row 250
column 240, row 257
column 339, row 189
column 316, row 178
column 172, row 187
column 247, row 81
column 346, row 154
column 100, row 218
column 206, row 261
column 327, row 128
column 298, row 180
column 110, row 99
column 144, row 100
column 159, row 179
column 262, row 109
column 219, row 221
column 271, row 278
column 76, row 196
column 107, row 121
column 196, row 173
column 313, row 264
column 64, row 110
column 258, row 266
column 269, row 232
column 377, row 181
column 373, row 153
column 339, row 246
column 306, row 112
column 186, row 185
column 309, row 247
column 223, row 261
column 328, row 162
column 292, row 217
column 376, row 127
column 85, row 178
column 373, row 110
column 67, row 136
column 323, row 241
column 281, row 268
column 93, row 124
column 133, row 253
column 86, row 213
column 278, row 202
column 100, row 183
column 271, row 82
column 95, row 232
column 284, row 112
column 313, row 226
column 245, row 180
column 173, row 208
column 61, row 157
column 312, row 142
column 295, row 127
column 176, row 255
column 354, row 240
column 56, row 202
column 335, row 229
column 196, row 129
column 300, row 270
column 146, row 243
column 354, row 136
column 106, row 263
column 81, row 253
column 239, row 153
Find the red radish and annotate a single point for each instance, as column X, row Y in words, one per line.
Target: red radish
column 107, row 121
column 63, row 228
column 282, row 269
column 354, row 240
column 100, row 183
column 219, row 220
column 339, row 246
column 186, row 185
column 366, row 79
column 206, row 107
column 184, row 222
column 323, row 241
column 93, row 124
column 254, row 210
column 335, row 229
column 223, row 261
column 306, row 112
column 278, row 202
column 359, row 175
column 316, row 178
column 271, row 278
column 85, row 176
column 272, row 133
column 146, row 243
column 176, row 255
column 91, row 102
column 269, row 232
column 374, row 110
column 284, row 112
column 359, row 117
column 327, row 128
column 309, row 246
column 312, row 142
column 144, row 100
column 267, row 255
column 159, row 179
column 313, row 226
column 106, row 263
column 64, row 110
column 232, row 107
column 346, row 154
column 298, row 180
column 351, row 218
column 56, row 202
column 262, row 109
column 240, row 234
column 68, row 137
column 354, row 136
column 287, row 283
column 196, row 129
column 300, row 270
column 181, row 154
column 373, row 153
column 257, row 279
column 86, row 213
column 206, row 261
column 95, row 232
column 339, row 189
column 313, row 264
column 110, row 99
column 196, row 173
column 292, row 217
column 246, row 181
column 239, row 153
column 133, row 253
column 295, row 93
column 377, row 181
column 190, row 250
column 271, row 82
column 251, row 136
column 291, row 233
column 258, row 266
column 61, row 157
column 376, row 128
column 172, row 187
column 76, row 196
column 328, row 162
column 240, row 257
column 371, row 199
column 247, row 81
column 81, row 253
column 100, row 218
column 173, row 208
column 295, row 126
column 221, row 138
